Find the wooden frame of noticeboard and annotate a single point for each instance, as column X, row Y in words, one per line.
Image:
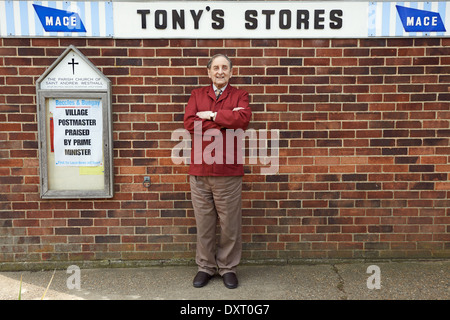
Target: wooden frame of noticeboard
column 73, row 181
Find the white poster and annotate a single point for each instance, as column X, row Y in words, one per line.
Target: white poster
column 77, row 132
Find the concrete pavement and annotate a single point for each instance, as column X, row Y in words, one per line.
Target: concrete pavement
column 346, row 280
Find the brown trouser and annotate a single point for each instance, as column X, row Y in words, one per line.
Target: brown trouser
column 214, row 197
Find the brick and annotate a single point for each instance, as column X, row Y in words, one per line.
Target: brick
column 368, row 186
column 67, row 231
column 421, row 168
column 107, row 239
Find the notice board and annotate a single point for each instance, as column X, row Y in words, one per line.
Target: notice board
column 75, row 130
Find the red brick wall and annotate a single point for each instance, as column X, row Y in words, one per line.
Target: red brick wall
column 364, row 150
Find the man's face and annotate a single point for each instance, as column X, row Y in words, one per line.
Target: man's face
column 220, row 72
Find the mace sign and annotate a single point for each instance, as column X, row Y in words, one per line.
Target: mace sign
column 415, row 20
column 59, row 20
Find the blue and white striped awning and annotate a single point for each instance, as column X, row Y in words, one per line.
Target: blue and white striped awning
column 384, row 20
column 19, row 18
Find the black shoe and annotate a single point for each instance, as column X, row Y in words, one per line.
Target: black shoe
column 230, row 280
column 201, row 279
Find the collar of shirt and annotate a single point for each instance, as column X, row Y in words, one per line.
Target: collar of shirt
column 215, row 88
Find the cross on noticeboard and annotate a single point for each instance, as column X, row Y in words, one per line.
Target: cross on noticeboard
column 73, row 63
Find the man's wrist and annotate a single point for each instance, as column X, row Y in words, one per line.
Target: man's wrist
column 213, row 116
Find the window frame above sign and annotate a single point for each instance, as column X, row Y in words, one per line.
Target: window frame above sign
column 84, row 179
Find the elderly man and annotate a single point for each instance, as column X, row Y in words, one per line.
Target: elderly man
column 216, row 171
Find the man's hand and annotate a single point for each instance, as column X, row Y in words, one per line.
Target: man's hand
column 206, row 115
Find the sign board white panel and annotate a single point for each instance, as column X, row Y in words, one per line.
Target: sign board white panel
column 224, row 19
column 73, row 73
column 236, row 19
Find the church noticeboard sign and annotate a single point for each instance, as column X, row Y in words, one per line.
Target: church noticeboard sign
column 74, row 119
